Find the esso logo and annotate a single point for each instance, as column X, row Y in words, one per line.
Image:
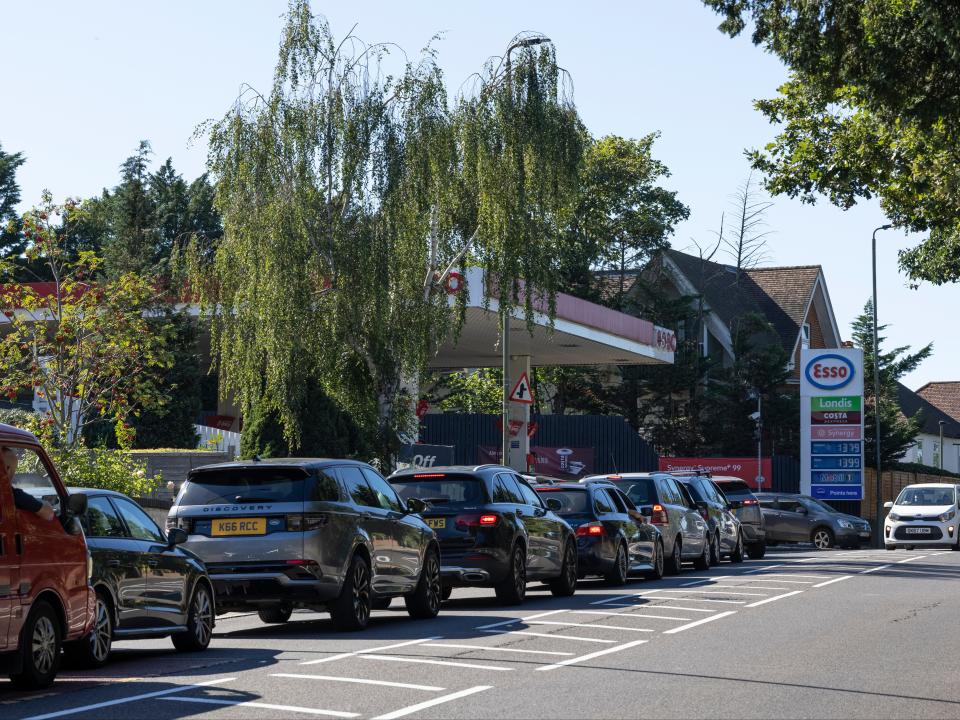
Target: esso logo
column 829, row 372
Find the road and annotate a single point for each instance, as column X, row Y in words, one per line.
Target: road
column 799, row 634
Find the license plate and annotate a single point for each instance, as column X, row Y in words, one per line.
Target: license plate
column 239, row 526
column 917, row 530
column 436, row 523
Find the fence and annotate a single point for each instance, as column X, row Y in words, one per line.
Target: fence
column 223, row 441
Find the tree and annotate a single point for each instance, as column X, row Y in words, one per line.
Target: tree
column 349, row 196
column 897, row 433
column 11, row 241
column 746, row 242
column 133, row 242
column 871, row 109
column 480, row 391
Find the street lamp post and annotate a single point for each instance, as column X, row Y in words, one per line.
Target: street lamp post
column 876, row 393
column 942, row 449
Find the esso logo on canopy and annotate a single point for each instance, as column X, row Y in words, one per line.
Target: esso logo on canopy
column 829, row 372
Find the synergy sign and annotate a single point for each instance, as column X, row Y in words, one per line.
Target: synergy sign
column 831, row 424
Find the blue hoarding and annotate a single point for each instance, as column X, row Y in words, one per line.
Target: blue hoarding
column 852, row 447
column 837, row 492
column 836, row 462
column 835, row 477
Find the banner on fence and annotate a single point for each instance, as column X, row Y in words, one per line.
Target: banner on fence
column 744, row 468
column 563, row 462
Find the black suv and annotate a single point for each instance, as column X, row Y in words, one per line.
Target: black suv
column 324, row 534
column 726, row 539
column 747, row 509
column 494, row 530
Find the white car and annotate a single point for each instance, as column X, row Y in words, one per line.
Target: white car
column 924, row 515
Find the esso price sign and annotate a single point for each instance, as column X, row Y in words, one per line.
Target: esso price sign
column 829, row 372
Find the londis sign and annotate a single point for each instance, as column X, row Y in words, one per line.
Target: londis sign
column 829, row 372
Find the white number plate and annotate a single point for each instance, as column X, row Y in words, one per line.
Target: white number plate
column 918, row 530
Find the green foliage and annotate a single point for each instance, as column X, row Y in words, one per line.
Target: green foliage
column 897, row 433
column 23, row 419
column 480, row 391
column 871, row 109
column 11, row 242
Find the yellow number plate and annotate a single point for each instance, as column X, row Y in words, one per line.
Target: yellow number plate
column 239, row 526
column 436, row 523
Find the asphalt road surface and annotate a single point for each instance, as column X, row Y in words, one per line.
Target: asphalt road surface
column 835, row 634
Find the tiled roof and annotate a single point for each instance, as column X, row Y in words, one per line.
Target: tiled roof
column 911, row 403
column 943, row 395
column 608, row 283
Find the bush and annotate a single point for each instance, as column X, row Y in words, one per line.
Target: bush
column 105, row 469
column 920, row 469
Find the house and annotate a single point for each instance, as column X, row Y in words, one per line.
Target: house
column 944, row 396
column 927, row 450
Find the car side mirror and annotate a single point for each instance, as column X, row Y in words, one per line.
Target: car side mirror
column 416, row 505
column 176, row 536
column 888, row 504
column 554, row 504
column 72, row 526
column 77, row 504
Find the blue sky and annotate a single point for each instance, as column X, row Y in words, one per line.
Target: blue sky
column 84, row 82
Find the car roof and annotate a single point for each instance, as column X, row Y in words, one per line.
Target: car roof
column 95, row 491
column 563, row 486
column 933, row 485
column 277, row 462
column 453, row 470
column 9, row 433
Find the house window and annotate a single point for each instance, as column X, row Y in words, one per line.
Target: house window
column 920, row 452
column 805, row 336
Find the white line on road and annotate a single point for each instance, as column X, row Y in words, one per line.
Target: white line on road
column 781, row 580
column 518, row 620
column 591, row 656
column 794, row 575
column 589, row 625
column 549, row 635
column 361, row 681
column 458, row 646
column 749, row 587
column 341, row 656
column 874, row 569
column 677, row 607
column 831, row 582
column 775, row 597
column 910, row 559
column 695, row 623
column 265, row 706
column 709, row 600
column 624, row 597
column 428, row 661
column 948, row 552
column 629, row 615
column 432, row 703
column 761, row 569
column 713, row 592
column 706, row 579
column 132, row 698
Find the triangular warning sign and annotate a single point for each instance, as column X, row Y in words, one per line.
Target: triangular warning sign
column 521, row 392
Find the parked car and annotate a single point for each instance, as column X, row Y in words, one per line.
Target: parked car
column 747, row 509
column 323, row 534
column 923, row 515
column 726, row 539
column 800, row 519
column 613, row 539
column 45, row 593
column 146, row 586
column 669, row 506
column 494, row 530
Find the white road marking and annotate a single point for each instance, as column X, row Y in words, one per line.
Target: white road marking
column 132, row 698
column 591, row 656
column 714, row 592
column 761, row 569
column 589, row 625
column 361, row 681
column 948, row 552
column 794, row 575
column 910, row 559
column 549, row 635
column 341, row 656
column 831, row 582
column 428, row 661
column 695, row 623
column 458, row 646
column 624, row 597
column 874, row 569
column 748, row 587
column 265, row 706
column 779, row 579
column 709, row 600
column 677, row 607
column 628, row 615
column 706, row 579
column 775, row 597
column 431, row 703
column 518, row 620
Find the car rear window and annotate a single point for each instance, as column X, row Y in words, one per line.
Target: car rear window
column 734, row 488
column 244, row 485
column 640, row 490
column 572, row 502
column 446, row 490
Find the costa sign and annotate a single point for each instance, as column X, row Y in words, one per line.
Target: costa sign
column 829, row 372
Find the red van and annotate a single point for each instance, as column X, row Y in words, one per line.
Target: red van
column 45, row 593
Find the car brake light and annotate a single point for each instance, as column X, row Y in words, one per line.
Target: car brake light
column 297, row 522
column 749, row 501
column 659, row 515
column 590, row 530
column 488, row 519
column 301, row 562
column 468, row 521
column 430, row 475
column 614, row 477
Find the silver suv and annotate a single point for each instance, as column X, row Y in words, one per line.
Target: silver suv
column 323, row 534
column 801, row 519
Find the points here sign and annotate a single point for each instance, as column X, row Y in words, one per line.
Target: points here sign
column 831, row 423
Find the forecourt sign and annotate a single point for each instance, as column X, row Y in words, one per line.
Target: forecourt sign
column 831, row 423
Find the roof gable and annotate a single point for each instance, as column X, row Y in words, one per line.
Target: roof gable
column 911, row 403
column 944, row 396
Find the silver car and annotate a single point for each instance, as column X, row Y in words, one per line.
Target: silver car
column 323, row 534
column 793, row 518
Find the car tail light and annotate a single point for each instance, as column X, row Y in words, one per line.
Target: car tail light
column 468, row 521
column 430, row 475
column 614, row 477
column 297, row 522
column 488, row 520
column 750, row 501
column 659, row 515
column 302, row 563
column 590, row 530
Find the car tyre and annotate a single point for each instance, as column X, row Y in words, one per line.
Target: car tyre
column 275, row 615
column 351, row 610
column 40, row 653
column 381, row 603
column 756, row 551
column 93, row 651
column 566, row 584
column 737, row 555
column 513, row 588
column 822, row 538
column 424, row 602
column 657, row 572
column 888, row 546
column 703, row 562
column 199, row 622
column 445, row 592
column 675, row 563
column 618, row 575
column 715, row 550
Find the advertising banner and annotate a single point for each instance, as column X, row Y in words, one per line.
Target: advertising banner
column 831, row 423
column 419, row 455
column 744, row 468
column 564, row 463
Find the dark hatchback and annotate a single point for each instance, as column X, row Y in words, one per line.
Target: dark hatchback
column 747, row 509
column 613, row 539
column 146, row 586
column 494, row 530
column 726, row 538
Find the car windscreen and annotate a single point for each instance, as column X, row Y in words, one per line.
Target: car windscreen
column 571, row 502
column 816, row 504
column 445, row 490
column 734, row 489
column 244, row 485
column 641, row 491
column 927, row 496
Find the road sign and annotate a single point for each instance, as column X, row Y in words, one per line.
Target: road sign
column 521, row 392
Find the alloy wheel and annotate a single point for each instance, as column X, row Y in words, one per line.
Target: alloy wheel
column 622, row 562
column 821, row 539
column 570, row 565
column 519, row 572
column 361, row 593
column 203, row 616
column 44, row 645
column 102, row 635
column 658, row 559
column 433, row 583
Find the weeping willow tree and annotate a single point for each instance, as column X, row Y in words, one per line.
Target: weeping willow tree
column 348, row 196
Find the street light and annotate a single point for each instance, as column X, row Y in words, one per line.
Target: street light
column 942, row 449
column 876, row 391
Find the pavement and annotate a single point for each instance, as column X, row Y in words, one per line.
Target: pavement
column 799, row 634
